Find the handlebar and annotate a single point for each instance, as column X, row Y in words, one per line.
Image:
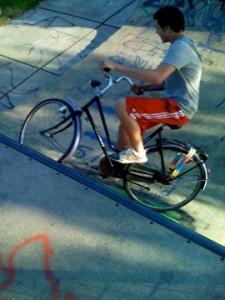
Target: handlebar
column 111, row 82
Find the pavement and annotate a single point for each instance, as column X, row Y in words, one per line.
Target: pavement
column 65, row 234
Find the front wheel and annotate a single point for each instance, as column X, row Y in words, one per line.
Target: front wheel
column 52, row 129
column 150, row 186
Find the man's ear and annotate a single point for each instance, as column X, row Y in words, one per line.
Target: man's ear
column 167, row 28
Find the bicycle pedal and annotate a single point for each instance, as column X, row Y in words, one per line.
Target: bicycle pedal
column 104, row 176
column 104, row 167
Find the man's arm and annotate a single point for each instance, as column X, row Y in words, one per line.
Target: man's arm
column 139, row 89
column 156, row 76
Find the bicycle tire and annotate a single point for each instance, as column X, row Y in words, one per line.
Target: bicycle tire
column 141, row 185
column 60, row 143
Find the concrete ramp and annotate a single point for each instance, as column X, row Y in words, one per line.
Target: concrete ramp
column 61, row 239
column 136, row 44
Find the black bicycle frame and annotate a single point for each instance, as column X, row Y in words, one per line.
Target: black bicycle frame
column 86, row 109
column 159, row 145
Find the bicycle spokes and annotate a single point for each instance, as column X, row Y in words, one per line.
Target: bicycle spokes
column 151, row 183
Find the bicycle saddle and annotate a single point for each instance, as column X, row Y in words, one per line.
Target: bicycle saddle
column 94, row 83
column 173, row 127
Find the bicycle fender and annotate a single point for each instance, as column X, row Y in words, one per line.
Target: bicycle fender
column 75, row 107
column 205, row 172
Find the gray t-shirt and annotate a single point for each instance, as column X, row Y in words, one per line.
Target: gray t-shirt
column 183, row 84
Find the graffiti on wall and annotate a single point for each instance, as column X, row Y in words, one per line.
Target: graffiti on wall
column 199, row 15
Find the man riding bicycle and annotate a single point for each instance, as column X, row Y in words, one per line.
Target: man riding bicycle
column 178, row 76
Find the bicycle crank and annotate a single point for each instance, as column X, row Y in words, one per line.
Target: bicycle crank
column 116, row 170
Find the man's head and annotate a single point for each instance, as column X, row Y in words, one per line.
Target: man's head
column 170, row 16
column 169, row 19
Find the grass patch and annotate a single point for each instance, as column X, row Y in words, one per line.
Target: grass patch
column 9, row 9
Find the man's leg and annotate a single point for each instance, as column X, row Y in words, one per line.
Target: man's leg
column 129, row 131
column 123, row 141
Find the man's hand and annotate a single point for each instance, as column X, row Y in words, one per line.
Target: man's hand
column 106, row 64
column 138, row 89
column 141, row 89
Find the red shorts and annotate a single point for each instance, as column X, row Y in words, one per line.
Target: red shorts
column 149, row 112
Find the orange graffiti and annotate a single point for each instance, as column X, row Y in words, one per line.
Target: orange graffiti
column 10, row 270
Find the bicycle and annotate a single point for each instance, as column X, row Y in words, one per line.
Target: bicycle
column 173, row 176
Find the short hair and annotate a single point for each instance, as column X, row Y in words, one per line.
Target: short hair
column 170, row 16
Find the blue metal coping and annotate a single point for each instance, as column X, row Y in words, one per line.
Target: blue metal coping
column 150, row 214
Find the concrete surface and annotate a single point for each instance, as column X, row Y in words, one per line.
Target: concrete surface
column 49, row 40
column 62, row 240
column 101, row 250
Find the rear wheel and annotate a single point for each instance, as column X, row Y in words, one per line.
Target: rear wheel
column 146, row 184
column 51, row 129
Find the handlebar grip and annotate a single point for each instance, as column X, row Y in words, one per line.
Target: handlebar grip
column 106, row 69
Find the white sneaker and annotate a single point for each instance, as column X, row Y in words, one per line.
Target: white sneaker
column 129, row 156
